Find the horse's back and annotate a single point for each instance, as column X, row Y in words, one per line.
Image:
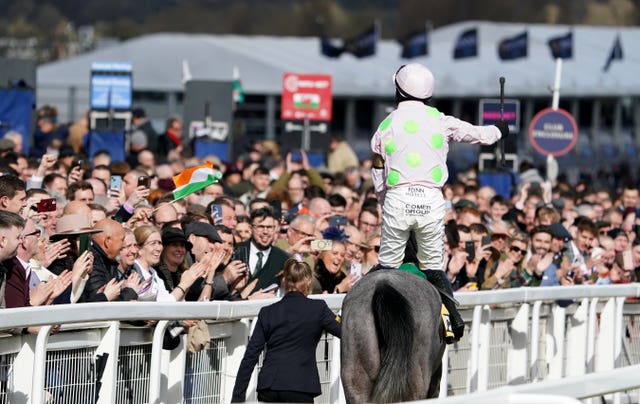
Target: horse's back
column 361, row 353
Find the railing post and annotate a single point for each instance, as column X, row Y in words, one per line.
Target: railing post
column 336, row 394
column 39, row 364
column 535, row 340
column 555, row 342
column 517, row 358
column 577, row 334
column 444, row 380
column 156, row 362
column 606, row 334
column 108, row 349
column 480, row 345
column 236, row 345
column 174, row 363
column 591, row 335
column 22, row 368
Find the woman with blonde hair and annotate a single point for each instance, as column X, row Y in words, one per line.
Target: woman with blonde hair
column 509, row 273
column 290, row 329
column 150, row 248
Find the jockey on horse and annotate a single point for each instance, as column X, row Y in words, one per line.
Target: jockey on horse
column 409, row 168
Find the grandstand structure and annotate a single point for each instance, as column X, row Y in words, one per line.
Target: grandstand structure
column 605, row 102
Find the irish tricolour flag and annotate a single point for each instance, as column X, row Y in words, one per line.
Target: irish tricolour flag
column 194, row 179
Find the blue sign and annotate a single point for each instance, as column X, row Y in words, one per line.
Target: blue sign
column 111, row 86
column 490, row 113
column 553, row 132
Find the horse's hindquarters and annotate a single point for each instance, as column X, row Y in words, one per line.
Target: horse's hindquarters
column 362, row 360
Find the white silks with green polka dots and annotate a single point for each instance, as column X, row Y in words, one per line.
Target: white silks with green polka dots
column 414, row 141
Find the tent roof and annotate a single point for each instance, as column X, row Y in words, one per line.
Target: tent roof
column 157, row 61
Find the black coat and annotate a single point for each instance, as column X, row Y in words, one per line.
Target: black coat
column 274, row 264
column 104, row 269
column 291, row 329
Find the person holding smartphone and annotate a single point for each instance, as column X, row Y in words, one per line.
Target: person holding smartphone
column 290, row 329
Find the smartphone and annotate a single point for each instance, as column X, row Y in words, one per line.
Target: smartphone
column 85, row 243
column 276, row 205
column 570, row 274
column 321, row 245
column 338, row 221
column 627, row 260
column 216, row 212
column 296, row 157
column 486, row 240
column 78, row 163
column 270, row 288
column 116, row 182
column 47, row 205
column 144, row 181
column 356, row 270
column 241, row 254
column 470, row 248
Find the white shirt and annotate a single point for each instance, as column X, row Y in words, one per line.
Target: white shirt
column 253, row 257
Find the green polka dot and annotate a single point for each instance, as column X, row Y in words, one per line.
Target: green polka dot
column 414, row 159
column 390, row 146
column 436, row 174
column 384, row 124
column 393, row 178
column 432, row 112
column 411, row 126
column 437, row 141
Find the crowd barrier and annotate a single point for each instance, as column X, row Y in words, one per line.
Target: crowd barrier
column 513, row 337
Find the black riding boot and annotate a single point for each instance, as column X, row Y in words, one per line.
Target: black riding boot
column 440, row 281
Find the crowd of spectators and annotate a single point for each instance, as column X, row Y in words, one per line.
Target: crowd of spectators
column 71, row 232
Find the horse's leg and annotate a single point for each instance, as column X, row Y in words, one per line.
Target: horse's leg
column 434, row 384
column 360, row 360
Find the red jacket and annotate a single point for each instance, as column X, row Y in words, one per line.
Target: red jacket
column 17, row 288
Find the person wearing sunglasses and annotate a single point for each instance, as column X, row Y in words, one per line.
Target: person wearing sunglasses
column 508, row 272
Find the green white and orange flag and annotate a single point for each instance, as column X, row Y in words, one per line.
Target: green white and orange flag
column 194, row 179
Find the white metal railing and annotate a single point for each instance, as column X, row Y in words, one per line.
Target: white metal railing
column 514, row 337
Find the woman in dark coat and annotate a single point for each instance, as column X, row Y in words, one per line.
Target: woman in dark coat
column 291, row 329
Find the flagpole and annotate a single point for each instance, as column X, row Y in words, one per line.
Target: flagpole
column 555, row 104
column 428, row 26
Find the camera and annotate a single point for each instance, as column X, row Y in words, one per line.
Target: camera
column 321, row 245
column 338, row 221
column 144, row 181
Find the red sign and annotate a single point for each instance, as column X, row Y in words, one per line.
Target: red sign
column 306, row 96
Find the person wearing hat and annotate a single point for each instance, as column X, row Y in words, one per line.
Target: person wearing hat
column 206, row 246
column 560, row 236
column 409, row 169
column 173, row 259
column 620, row 239
column 29, row 284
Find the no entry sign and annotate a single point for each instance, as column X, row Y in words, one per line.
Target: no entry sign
column 553, row 132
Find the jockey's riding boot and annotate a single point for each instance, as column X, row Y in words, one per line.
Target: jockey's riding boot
column 440, row 281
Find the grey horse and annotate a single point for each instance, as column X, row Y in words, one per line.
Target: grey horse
column 392, row 339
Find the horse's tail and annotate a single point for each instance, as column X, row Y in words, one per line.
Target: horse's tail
column 394, row 328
